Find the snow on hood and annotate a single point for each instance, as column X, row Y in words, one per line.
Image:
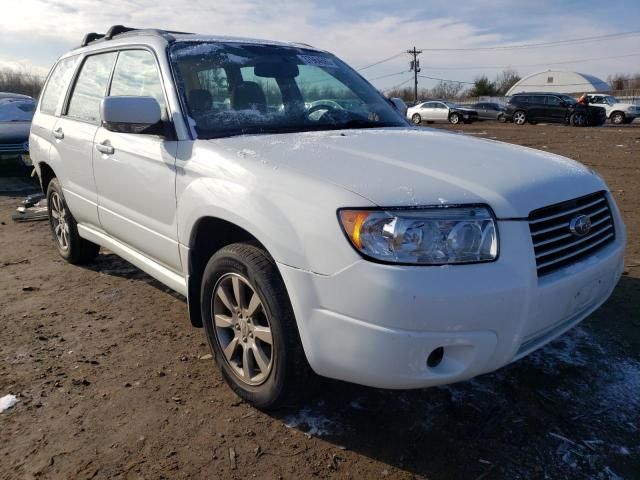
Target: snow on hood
column 421, row 166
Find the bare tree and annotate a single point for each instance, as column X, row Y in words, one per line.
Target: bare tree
column 505, row 80
column 26, row 83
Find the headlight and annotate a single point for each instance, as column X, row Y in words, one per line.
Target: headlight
column 426, row 236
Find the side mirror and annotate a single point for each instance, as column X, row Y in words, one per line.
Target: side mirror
column 130, row 114
column 399, row 105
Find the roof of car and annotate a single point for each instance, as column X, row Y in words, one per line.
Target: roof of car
column 122, row 34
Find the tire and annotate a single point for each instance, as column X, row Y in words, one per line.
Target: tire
column 416, row 119
column 73, row 248
column 264, row 375
column 502, row 118
column 617, row 118
column 454, row 118
column 578, row 119
column 519, row 117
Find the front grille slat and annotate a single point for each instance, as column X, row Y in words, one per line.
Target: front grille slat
column 555, row 245
column 573, row 244
column 568, row 212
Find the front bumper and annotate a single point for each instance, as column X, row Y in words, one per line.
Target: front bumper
column 376, row 324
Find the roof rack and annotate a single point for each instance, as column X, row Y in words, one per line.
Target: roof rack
column 117, row 30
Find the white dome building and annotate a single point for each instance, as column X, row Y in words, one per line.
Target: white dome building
column 559, row 82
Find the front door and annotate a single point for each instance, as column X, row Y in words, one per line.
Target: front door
column 135, row 173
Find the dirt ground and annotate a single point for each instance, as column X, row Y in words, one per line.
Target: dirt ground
column 113, row 382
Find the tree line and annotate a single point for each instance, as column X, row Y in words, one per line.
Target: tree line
column 25, row 83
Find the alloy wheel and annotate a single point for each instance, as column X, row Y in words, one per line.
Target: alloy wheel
column 242, row 329
column 59, row 221
column 519, row 118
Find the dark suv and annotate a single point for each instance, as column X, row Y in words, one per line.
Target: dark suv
column 553, row 108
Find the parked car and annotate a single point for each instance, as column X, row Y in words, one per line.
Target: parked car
column 354, row 246
column 617, row 112
column 16, row 112
column 490, row 111
column 552, row 108
column 440, row 111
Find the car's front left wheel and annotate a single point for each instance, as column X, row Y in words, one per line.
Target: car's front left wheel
column 71, row 246
column 250, row 326
column 416, row 119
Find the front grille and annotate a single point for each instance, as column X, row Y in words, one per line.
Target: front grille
column 11, row 147
column 555, row 245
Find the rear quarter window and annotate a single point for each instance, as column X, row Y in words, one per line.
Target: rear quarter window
column 57, row 85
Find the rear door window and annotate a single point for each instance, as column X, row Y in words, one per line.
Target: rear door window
column 91, row 87
column 56, row 88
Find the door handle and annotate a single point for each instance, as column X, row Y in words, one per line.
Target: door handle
column 105, row 148
column 58, row 133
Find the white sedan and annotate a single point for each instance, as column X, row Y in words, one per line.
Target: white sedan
column 438, row 111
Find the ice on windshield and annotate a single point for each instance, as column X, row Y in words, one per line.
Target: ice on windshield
column 12, row 110
column 234, row 88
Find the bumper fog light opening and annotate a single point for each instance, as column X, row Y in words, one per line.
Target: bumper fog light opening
column 435, row 357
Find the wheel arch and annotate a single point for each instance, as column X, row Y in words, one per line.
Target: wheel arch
column 208, row 235
column 45, row 175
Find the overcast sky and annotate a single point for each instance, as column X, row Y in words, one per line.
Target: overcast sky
column 33, row 33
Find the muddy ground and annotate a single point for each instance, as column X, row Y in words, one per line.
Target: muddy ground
column 113, row 382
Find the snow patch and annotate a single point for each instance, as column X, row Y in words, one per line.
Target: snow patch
column 311, row 422
column 7, row 402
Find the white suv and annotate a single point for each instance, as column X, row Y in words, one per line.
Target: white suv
column 340, row 239
column 618, row 112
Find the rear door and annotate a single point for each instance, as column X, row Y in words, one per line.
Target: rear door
column 135, row 178
column 51, row 101
column 73, row 136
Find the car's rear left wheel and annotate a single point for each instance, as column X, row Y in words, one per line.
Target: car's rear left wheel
column 578, row 119
column 70, row 245
column 251, row 327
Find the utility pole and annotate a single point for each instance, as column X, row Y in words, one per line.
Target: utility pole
column 414, row 65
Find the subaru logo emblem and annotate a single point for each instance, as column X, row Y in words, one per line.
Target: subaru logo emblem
column 580, row 225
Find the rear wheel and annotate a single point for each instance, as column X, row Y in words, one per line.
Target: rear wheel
column 455, row 118
column 250, row 326
column 73, row 248
column 617, row 118
column 416, row 119
column 519, row 117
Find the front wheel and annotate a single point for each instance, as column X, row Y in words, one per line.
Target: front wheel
column 578, row 119
column 73, row 248
column 454, row 118
column 416, row 119
column 519, row 117
column 617, row 118
column 502, row 118
column 250, row 326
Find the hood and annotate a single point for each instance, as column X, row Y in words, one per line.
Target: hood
column 624, row 105
column 14, row 132
column 419, row 166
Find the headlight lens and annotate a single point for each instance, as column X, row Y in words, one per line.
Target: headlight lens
column 427, row 236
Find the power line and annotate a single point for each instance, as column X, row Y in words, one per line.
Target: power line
column 398, row 85
column 480, row 67
column 610, row 36
column 388, row 75
column 446, row 80
column 380, row 61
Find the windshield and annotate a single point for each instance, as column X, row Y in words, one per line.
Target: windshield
column 236, row 88
column 12, row 110
column 452, row 105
